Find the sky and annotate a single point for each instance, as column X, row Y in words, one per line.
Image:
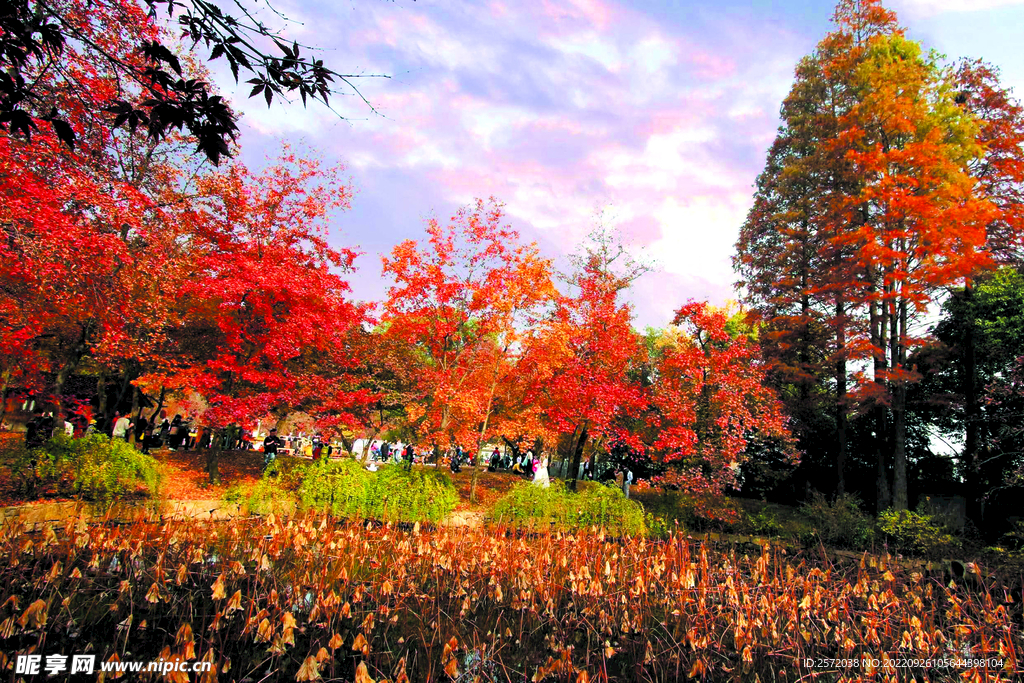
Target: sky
column 652, row 117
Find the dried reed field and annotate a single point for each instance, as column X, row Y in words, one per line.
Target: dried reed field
column 319, row 598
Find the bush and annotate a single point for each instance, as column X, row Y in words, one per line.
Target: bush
column 346, row 489
column 838, row 523
column 695, row 511
column 94, row 467
column 105, row 468
column 915, row 533
column 530, row 506
column 765, row 523
column 266, row 496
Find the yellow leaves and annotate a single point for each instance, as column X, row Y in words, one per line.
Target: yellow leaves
column 234, row 603
column 117, row 673
column 309, row 671
column 218, row 588
column 264, row 631
column 185, row 639
column 360, row 645
column 34, row 616
column 452, row 668
column 363, row 674
column 448, row 657
column 288, row 629
column 336, row 641
column 153, row 594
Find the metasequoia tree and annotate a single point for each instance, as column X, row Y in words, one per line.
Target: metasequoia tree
column 787, row 255
column 879, row 207
column 1000, row 173
column 920, row 224
column 464, row 300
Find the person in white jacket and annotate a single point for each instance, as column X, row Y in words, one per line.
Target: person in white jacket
column 121, row 426
column 540, row 476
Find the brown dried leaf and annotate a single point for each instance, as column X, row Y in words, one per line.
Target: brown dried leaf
column 309, row 671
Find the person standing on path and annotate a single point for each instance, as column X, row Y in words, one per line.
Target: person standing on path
column 142, row 434
column 540, row 477
column 121, row 426
column 174, row 433
column 270, row 446
column 163, row 431
column 627, row 479
column 409, row 451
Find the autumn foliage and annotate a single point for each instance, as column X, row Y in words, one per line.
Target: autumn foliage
column 712, row 400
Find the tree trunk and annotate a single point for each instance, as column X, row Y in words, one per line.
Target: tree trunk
column 879, row 323
column 899, row 409
column 368, row 444
column 972, row 410
column 135, row 410
column 159, row 404
column 480, row 441
column 64, row 373
column 213, row 457
column 841, row 396
column 101, row 396
column 3, row 394
column 577, row 454
column 126, row 381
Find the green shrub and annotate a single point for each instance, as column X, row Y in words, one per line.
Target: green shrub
column 838, row 523
column 94, row 467
column 696, row 512
column 105, row 468
column 765, row 523
column 392, row 494
column 526, row 505
column 266, row 496
column 530, row 506
column 916, row 533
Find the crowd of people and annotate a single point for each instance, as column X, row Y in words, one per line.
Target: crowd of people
column 178, row 433
column 154, row 433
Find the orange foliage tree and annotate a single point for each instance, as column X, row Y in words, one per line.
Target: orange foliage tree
column 583, row 357
column 464, row 300
column 711, row 400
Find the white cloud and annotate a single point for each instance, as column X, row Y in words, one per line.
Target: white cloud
column 698, row 234
column 932, row 7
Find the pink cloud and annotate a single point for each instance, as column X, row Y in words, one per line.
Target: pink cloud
column 711, row 66
column 642, row 230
